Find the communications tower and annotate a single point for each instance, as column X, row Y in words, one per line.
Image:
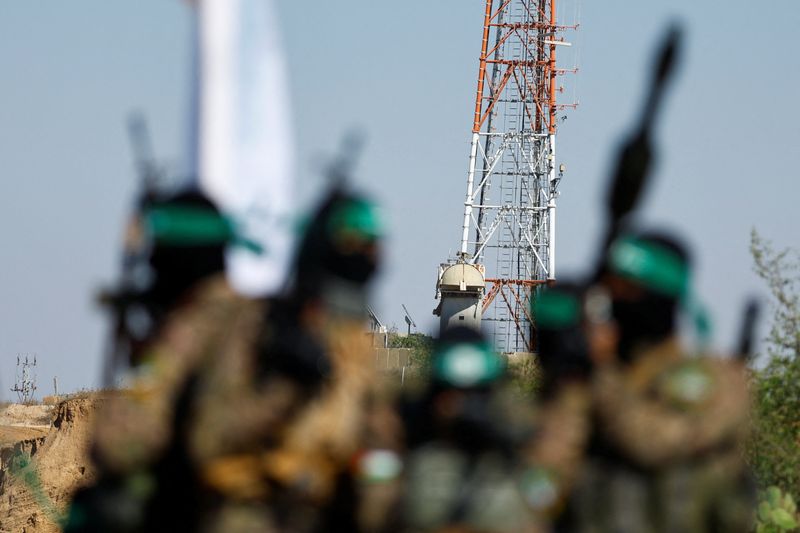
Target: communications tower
column 509, row 225
column 25, row 386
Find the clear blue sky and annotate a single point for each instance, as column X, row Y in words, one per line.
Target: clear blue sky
column 405, row 73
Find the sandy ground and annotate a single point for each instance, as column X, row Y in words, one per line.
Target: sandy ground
column 10, row 435
column 43, row 460
column 26, row 415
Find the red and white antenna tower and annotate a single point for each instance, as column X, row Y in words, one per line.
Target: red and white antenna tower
column 509, row 226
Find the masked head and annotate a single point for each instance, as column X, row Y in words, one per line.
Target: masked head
column 465, row 374
column 338, row 253
column 648, row 277
column 464, row 360
column 172, row 244
column 562, row 347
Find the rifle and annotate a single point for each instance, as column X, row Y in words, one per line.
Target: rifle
column 339, row 172
column 747, row 332
column 636, row 155
column 121, row 299
column 626, row 186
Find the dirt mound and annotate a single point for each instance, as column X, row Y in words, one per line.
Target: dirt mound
column 26, row 415
column 10, row 435
column 39, row 475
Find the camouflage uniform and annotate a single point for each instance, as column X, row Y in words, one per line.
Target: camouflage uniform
column 266, row 472
column 212, row 323
column 449, row 490
column 496, row 489
column 272, row 454
column 522, row 487
column 563, row 413
column 378, row 464
column 174, row 315
column 556, row 453
column 667, row 453
column 475, row 461
column 237, row 422
column 140, row 438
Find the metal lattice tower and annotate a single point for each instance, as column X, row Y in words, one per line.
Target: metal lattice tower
column 510, row 207
column 25, row 386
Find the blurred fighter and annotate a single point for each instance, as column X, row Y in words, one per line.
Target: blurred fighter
column 668, row 424
column 263, row 471
column 176, row 314
column 563, row 414
column 464, row 469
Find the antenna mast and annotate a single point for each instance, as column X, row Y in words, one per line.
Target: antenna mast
column 512, row 184
column 409, row 321
column 25, row 386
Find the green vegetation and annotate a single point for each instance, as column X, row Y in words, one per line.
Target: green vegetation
column 524, row 376
column 421, row 346
column 777, row 512
column 774, row 450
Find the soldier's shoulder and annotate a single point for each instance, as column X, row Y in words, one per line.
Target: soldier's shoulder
column 695, row 383
column 213, row 306
column 210, row 312
column 216, row 294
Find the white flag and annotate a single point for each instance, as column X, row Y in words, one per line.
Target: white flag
column 244, row 149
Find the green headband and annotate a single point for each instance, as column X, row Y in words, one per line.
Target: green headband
column 358, row 217
column 468, row 365
column 556, row 310
column 654, row 266
column 181, row 225
column 663, row 271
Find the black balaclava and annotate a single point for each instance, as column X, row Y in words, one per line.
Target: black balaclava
column 562, row 348
column 178, row 266
column 652, row 317
column 183, row 239
column 465, row 372
column 338, row 254
column 336, row 259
